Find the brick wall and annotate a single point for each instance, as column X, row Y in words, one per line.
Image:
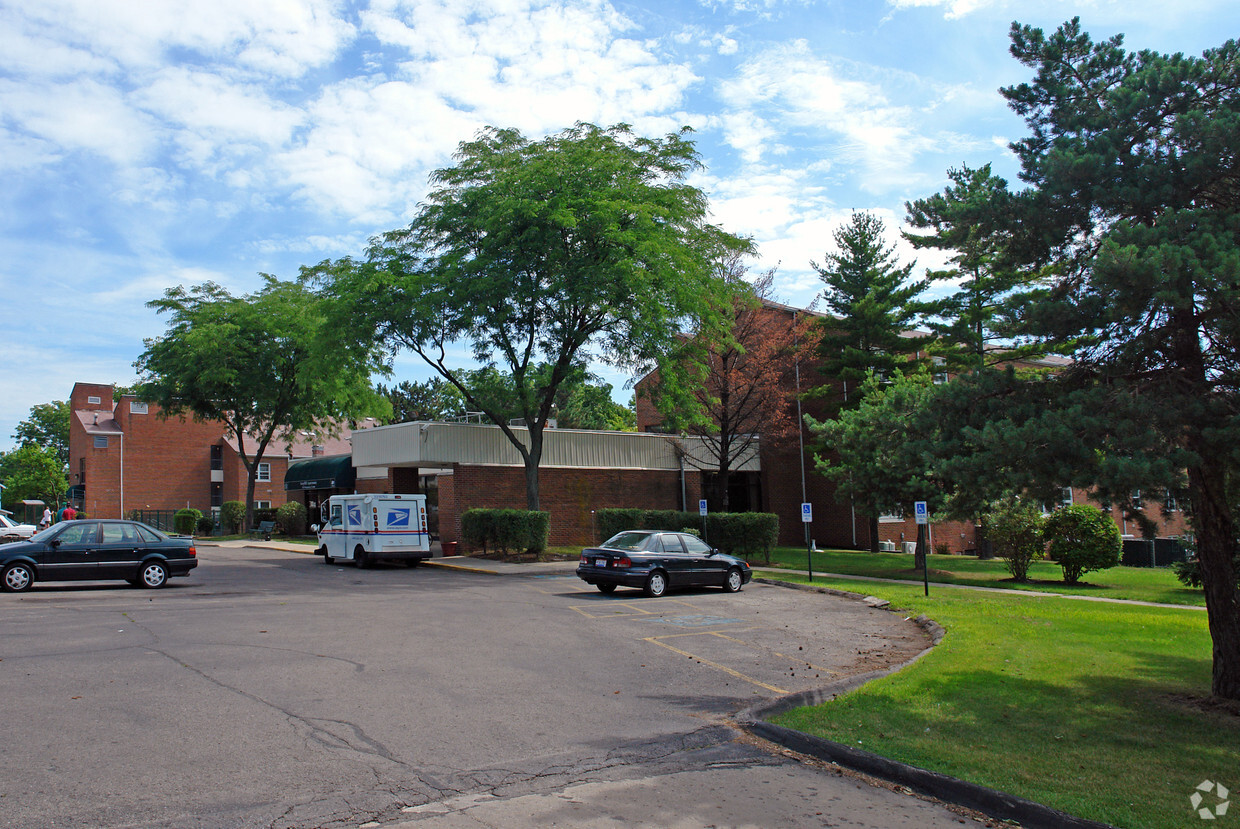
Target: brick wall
column 568, row 494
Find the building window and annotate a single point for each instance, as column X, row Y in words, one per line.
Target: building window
column 262, row 505
column 101, row 441
column 1172, row 505
column 1065, row 500
column 217, row 495
column 264, row 472
column 1137, row 504
column 891, row 518
column 217, row 457
column 93, row 400
column 137, row 407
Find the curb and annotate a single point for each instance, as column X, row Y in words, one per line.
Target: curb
column 430, row 562
column 980, row 798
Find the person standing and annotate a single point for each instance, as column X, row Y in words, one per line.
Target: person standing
column 69, row 513
column 46, row 520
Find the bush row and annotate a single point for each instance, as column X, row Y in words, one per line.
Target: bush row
column 1080, row 538
column 743, row 534
column 506, row 531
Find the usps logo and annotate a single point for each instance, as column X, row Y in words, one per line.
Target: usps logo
column 355, row 516
column 398, row 518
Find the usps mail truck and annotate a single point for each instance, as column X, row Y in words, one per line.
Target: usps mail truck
column 365, row 528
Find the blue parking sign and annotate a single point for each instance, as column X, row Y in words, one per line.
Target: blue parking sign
column 919, row 511
column 807, row 513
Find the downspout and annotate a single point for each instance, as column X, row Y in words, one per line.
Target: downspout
column 684, row 498
column 122, row 515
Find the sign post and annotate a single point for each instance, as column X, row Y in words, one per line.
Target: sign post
column 807, row 518
column 923, row 518
column 702, row 512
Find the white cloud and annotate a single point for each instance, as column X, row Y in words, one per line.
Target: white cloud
column 952, row 8
column 78, row 115
column 281, row 37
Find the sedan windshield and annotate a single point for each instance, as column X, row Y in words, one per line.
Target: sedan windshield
column 627, row 541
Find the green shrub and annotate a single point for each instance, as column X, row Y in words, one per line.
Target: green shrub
column 185, row 521
column 1014, row 527
column 608, row 522
column 506, row 531
column 1082, row 538
column 205, row 525
column 743, row 534
column 232, row 514
column 292, row 518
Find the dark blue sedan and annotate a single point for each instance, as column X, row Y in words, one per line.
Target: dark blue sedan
column 655, row 561
column 77, row 550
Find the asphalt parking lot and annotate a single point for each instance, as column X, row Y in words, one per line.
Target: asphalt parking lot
column 268, row 689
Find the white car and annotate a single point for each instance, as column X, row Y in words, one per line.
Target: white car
column 10, row 531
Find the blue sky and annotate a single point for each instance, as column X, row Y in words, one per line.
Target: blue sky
column 145, row 145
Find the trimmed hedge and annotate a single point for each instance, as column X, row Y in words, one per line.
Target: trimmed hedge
column 291, row 517
column 506, row 531
column 232, row 514
column 185, row 521
column 743, row 534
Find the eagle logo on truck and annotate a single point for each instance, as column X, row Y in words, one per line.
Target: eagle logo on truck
column 398, row 518
column 355, row 516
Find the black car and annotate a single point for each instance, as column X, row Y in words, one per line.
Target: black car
column 655, row 560
column 90, row 549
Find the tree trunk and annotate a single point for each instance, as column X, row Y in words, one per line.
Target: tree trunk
column 533, row 458
column 1215, row 543
column 873, row 533
column 249, row 497
column 1212, row 518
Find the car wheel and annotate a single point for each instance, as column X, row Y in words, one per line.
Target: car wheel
column 606, row 588
column 18, row 577
column 733, row 582
column 656, row 585
column 361, row 557
column 326, row 558
column 153, row 574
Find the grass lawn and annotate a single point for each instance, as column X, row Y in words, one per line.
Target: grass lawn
column 1097, row 709
column 1145, row 584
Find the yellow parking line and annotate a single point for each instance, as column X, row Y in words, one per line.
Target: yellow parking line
column 725, row 669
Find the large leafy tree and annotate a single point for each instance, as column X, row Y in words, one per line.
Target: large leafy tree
column 586, row 245
column 32, row 472
column 433, row 399
column 872, row 297
column 48, row 427
column 583, row 402
column 731, row 380
column 881, row 454
column 266, row 364
column 1131, row 220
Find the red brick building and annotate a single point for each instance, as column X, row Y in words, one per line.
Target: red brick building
column 123, row 456
column 776, row 483
column 582, row 472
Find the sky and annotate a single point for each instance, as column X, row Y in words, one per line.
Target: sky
column 150, row 144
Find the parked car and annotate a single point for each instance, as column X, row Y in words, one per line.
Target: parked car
column 656, row 561
column 12, row 531
column 90, row 549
